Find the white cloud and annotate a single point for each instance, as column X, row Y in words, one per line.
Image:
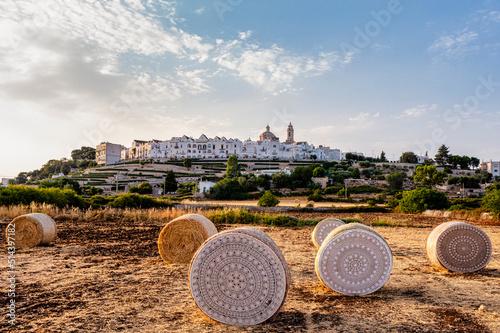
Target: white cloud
column 452, row 45
column 417, row 111
column 271, row 69
column 363, row 116
column 245, row 34
column 493, row 16
column 200, row 11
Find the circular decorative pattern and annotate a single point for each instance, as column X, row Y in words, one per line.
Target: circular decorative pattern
column 459, row 247
column 354, row 262
column 323, row 228
column 237, row 279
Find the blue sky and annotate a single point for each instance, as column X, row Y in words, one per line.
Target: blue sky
column 360, row 76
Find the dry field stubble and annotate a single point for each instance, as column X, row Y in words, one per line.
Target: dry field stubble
column 107, row 275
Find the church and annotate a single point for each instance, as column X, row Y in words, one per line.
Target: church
column 267, row 147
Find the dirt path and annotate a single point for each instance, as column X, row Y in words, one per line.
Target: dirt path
column 108, row 276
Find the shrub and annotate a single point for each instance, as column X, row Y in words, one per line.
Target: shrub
column 392, row 203
column 228, row 189
column 492, row 202
column 420, row 199
column 371, row 203
column 268, row 200
column 315, row 196
column 133, row 200
column 22, row 195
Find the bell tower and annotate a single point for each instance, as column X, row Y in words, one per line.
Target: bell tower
column 289, row 134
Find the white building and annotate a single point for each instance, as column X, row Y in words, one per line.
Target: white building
column 491, row 167
column 108, row 153
column 267, row 147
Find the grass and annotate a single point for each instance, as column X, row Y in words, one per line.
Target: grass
column 392, row 222
column 156, row 215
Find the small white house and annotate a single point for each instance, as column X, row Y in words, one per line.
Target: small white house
column 205, row 186
column 5, row 182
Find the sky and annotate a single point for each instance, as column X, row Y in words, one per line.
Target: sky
column 360, row 76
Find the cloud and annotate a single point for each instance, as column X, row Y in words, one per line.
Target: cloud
column 363, row 116
column 271, row 69
column 245, row 34
column 493, row 16
column 200, row 11
column 417, row 111
column 378, row 46
column 454, row 45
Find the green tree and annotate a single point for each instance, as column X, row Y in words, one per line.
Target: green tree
column 428, row 175
column 474, row 162
column 421, row 199
column 395, row 180
column 22, row 178
column 382, row 157
column 355, row 173
column 187, row 162
column 409, row 157
column 282, row 180
column 11, row 181
column 170, row 182
column 233, row 167
column 319, row 172
column 65, row 169
column 145, row 188
column 264, row 181
column 268, row 199
column 491, row 202
column 442, row 155
column 84, row 153
column 228, row 189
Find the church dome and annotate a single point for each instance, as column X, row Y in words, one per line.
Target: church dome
column 268, row 135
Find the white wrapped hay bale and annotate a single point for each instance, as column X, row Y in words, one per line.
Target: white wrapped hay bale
column 323, row 229
column 239, row 277
column 33, row 230
column 459, row 247
column 354, row 260
column 181, row 237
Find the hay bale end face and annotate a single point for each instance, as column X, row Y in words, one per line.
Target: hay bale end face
column 33, row 230
column 180, row 238
column 459, row 247
column 238, row 277
column 323, row 229
column 354, row 260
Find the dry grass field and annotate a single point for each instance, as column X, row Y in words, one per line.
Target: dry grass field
column 106, row 275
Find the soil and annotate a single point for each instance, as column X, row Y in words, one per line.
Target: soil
column 108, row 276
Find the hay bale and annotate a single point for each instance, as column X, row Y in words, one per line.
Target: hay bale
column 323, row 228
column 180, row 238
column 237, row 278
column 354, row 260
column 33, row 230
column 261, row 235
column 350, row 226
column 459, row 247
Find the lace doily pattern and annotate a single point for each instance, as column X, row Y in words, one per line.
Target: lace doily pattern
column 460, row 247
column 323, row 228
column 354, row 262
column 236, row 279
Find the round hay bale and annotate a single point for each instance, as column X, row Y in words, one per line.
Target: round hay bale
column 180, row 238
column 459, row 247
column 350, row 226
column 354, row 261
column 33, row 229
column 237, row 279
column 261, row 235
column 323, row 228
